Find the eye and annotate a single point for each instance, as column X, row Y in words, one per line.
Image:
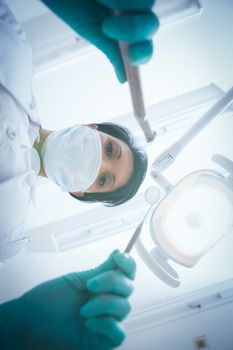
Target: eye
column 109, row 149
column 102, row 180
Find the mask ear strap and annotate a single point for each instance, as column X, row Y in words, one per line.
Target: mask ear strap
column 161, row 269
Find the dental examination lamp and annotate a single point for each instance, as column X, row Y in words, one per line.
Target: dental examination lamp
column 194, row 214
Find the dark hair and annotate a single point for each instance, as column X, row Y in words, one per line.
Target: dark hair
column 140, row 162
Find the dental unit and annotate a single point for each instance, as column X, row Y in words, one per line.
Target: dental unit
column 193, row 215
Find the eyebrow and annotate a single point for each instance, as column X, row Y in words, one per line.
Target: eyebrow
column 120, row 153
column 113, row 181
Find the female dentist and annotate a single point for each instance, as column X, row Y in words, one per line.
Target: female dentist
column 102, row 178
column 78, row 310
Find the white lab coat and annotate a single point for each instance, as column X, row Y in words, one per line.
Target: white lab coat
column 19, row 127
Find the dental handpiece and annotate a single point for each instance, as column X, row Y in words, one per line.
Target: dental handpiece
column 135, row 87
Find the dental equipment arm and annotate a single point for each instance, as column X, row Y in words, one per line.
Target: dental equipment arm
column 166, row 158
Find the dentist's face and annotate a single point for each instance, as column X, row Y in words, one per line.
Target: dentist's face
column 116, row 168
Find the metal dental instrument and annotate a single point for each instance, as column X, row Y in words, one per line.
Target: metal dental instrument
column 135, row 87
column 152, row 195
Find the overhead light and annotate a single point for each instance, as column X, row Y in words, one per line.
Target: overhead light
column 195, row 213
column 61, row 44
column 170, row 11
column 72, row 232
column 180, row 307
column 175, row 114
column 194, row 216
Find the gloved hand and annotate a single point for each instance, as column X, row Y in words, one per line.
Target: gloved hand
column 77, row 311
column 94, row 20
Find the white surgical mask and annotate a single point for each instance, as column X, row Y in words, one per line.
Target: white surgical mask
column 72, row 157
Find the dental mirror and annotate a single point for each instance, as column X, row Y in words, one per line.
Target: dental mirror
column 152, row 195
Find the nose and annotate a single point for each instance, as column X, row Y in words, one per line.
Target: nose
column 110, row 164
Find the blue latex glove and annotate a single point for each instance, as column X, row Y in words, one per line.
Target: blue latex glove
column 94, row 20
column 77, row 311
